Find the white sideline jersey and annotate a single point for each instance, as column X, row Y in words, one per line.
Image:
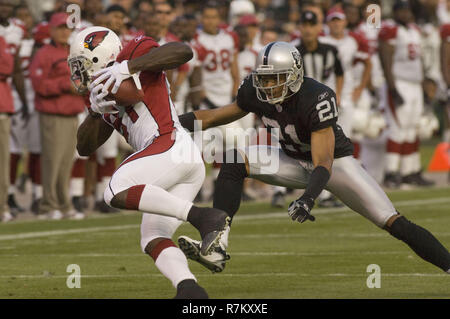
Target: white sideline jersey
column 13, row 34
column 407, row 64
column 246, row 62
column 215, row 53
column 347, row 50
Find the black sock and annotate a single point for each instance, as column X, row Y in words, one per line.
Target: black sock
column 422, row 242
column 229, row 184
column 205, row 219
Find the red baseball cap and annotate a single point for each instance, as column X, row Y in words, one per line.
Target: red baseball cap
column 248, row 19
column 335, row 13
column 58, row 19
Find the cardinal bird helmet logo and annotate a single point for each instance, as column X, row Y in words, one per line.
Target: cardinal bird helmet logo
column 93, row 39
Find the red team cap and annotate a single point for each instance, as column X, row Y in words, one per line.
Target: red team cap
column 248, row 19
column 335, row 13
column 58, row 19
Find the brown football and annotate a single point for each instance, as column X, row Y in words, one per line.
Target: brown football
column 128, row 94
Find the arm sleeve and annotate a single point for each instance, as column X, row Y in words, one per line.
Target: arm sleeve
column 43, row 83
column 136, row 48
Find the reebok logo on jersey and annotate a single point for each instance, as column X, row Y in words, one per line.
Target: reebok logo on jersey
column 322, row 96
column 93, row 39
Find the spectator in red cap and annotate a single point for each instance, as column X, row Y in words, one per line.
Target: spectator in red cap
column 58, row 104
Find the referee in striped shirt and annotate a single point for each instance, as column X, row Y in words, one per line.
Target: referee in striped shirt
column 321, row 61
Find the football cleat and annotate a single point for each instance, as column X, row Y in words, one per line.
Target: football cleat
column 189, row 289
column 215, row 261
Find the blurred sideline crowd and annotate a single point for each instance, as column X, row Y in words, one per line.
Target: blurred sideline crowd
column 391, row 80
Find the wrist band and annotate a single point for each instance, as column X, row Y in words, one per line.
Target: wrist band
column 317, row 182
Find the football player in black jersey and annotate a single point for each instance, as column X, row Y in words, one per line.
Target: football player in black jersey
column 315, row 154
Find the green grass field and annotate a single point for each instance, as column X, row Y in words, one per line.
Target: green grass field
column 271, row 256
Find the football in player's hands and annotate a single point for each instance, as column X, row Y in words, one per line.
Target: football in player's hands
column 128, row 94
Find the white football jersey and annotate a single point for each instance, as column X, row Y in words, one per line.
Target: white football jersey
column 431, row 52
column 246, row 62
column 184, row 88
column 407, row 64
column 13, row 34
column 347, row 49
column 371, row 34
column 144, row 122
column 215, row 52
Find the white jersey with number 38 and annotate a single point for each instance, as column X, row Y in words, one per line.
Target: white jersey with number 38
column 215, row 53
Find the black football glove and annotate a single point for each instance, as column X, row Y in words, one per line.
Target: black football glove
column 300, row 209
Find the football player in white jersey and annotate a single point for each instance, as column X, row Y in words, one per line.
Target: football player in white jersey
column 400, row 54
column 13, row 30
column 217, row 51
column 25, row 130
column 349, row 51
column 348, row 46
column 162, row 178
column 189, row 91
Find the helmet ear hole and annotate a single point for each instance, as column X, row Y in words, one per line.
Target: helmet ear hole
column 95, row 59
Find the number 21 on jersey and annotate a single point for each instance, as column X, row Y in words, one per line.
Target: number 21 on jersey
column 326, row 111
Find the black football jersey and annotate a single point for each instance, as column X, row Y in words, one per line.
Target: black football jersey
column 311, row 109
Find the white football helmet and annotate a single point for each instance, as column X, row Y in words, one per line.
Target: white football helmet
column 91, row 50
column 278, row 59
column 428, row 124
column 239, row 8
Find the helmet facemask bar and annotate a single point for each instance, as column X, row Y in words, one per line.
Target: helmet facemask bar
column 79, row 67
column 266, row 93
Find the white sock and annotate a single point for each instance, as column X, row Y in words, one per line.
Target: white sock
column 324, row 195
column 224, row 238
column 100, row 188
column 392, row 162
column 36, row 190
column 156, row 200
column 279, row 189
column 416, row 162
column 11, row 189
column 76, row 186
column 172, row 263
column 407, row 164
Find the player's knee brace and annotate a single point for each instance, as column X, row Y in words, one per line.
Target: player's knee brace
column 421, row 241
